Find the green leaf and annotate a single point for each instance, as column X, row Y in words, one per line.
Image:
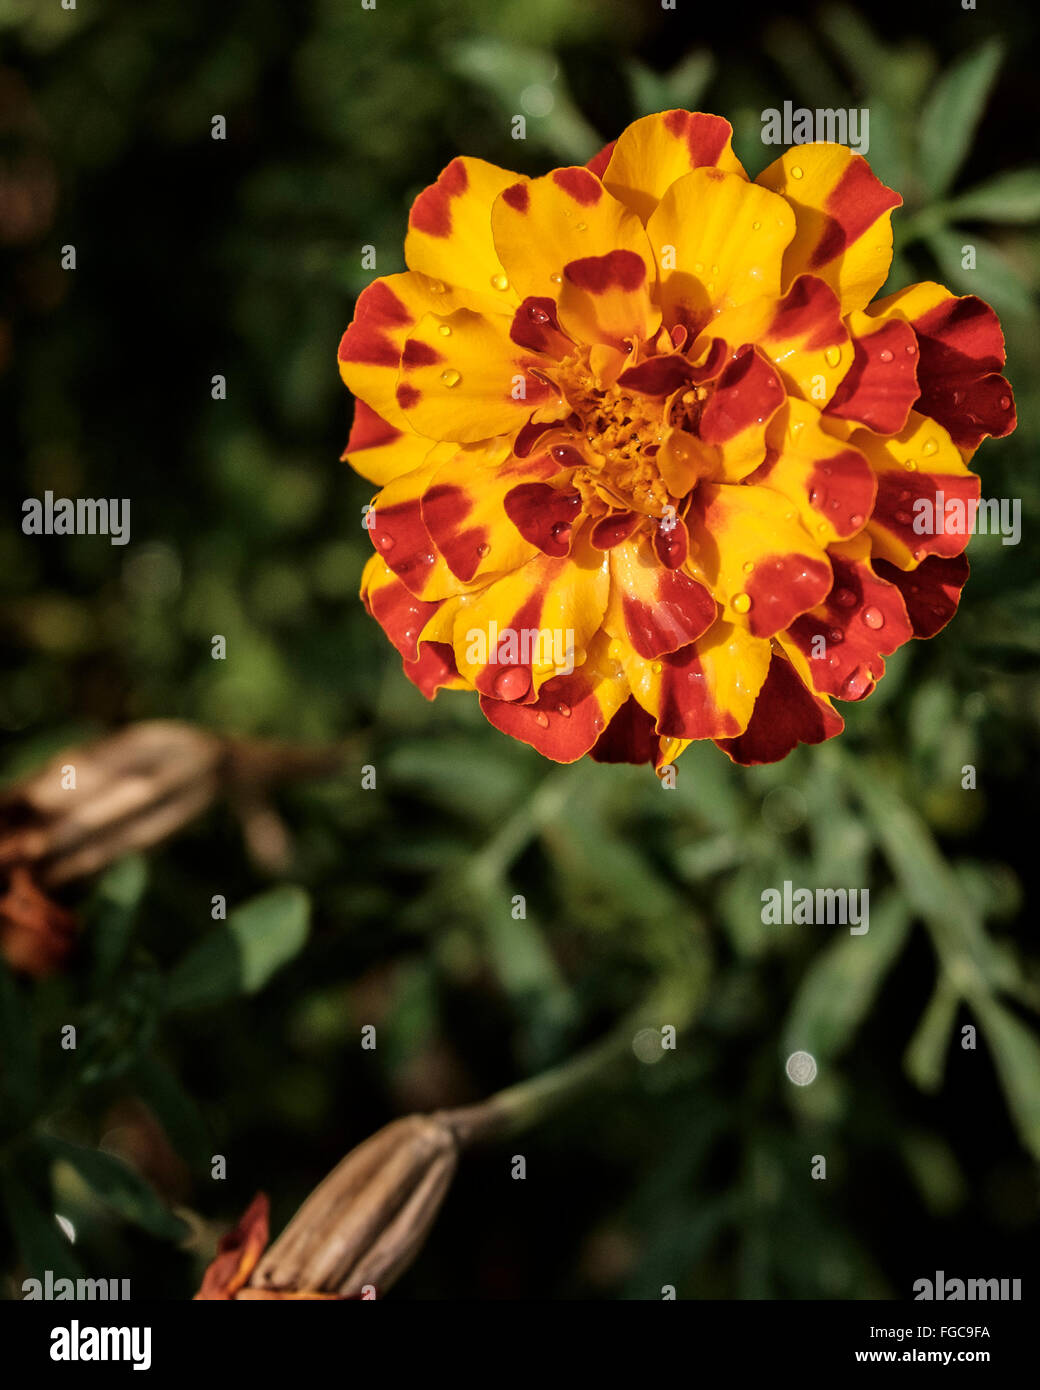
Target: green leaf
column 111, row 911
column 175, row 1110
column 1010, row 197
column 40, row 1240
column 842, row 982
column 925, row 1058
column 119, row 1187
column 952, row 114
column 241, row 956
column 1016, row 1053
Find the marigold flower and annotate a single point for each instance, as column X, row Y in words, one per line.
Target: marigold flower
column 649, row 405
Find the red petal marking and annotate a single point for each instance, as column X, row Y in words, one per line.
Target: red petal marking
column 517, row 196
column 683, row 611
column 629, row 737
column 622, row 270
column 434, row 667
column 897, row 494
column 419, row 354
column 671, row 544
column 687, row 708
column 367, row 340
column 863, row 619
column 563, row 723
column 781, row 587
column 431, row 211
column 880, row 387
column 811, row 310
column 843, row 488
column 612, row 530
column 369, row 429
column 658, row 376
column 407, row 396
column 536, row 326
column 598, row 163
column 785, row 713
column 400, row 535
column 931, row 592
column 401, row 616
column 962, row 352
column 444, row 509
column 499, row 679
column 583, row 187
column 528, row 436
column 747, row 393
column 713, row 363
column 705, row 135
column 543, row 515
column 853, row 205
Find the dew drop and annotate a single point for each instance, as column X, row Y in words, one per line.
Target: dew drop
column 832, row 356
column 856, row 519
column 482, row 550
column 845, row 598
column 796, row 172
column 748, row 567
column 564, row 710
column 835, row 636
column 451, row 377
column 444, row 331
column 903, row 518
column 740, row 603
column 437, row 287
column 556, row 279
column 910, row 464
column 656, row 668
column 582, row 227
column 537, row 314
column 386, row 542
column 566, row 455
column 1005, row 402
column 512, row 684
column 885, row 355
column 755, row 226
column 698, row 266
column 911, row 349
column 500, row 282
column 542, row 718
column 873, row 617
column 929, row 446
column 714, row 270
column 857, row 683
column 560, row 529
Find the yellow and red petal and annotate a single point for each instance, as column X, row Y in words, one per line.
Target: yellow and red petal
column 802, row 334
column 839, row 647
column 401, row 537
column 880, row 387
column 543, row 515
column 380, row 451
column 750, row 549
column 449, row 233
column 706, row 689
column 922, row 483
column 515, row 633
column 961, row 357
column 785, row 714
column 720, row 242
column 657, row 150
column 540, row 225
column 571, row 712
column 829, row 482
column 652, row 608
column 471, row 383
column 931, row 592
column 465, row 511
column 748, row 393
column 370, row 349
column 844, row 215
column 606, row 300
column 434, row 669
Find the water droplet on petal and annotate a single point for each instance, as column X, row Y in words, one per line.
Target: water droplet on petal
column 845, row 598
column 929, row 446
column 856, row 684
column 796, row 172
column 656, row 668
column 748, row 567
column 911, row 349
column 560, row 529
column 740, row 603
column 885, row 355
column 1005, row 402
column 903, row 518
column 911, row 464
column 451, row 377
column 386, row 542
column 512, row 684
column 856, row 519
column 832, row 356
column 444, row 330
column 537, row 314
column 835, row 636
column 482, row 550
column 564, row 711
column 582, row 227
column 755, row 226
column 437, row 287
column 873, row 617
column 542, row 719
column 566, row 455
column 500, row 282
column 556, row 279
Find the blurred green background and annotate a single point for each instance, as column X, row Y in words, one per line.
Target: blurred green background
column 243, row 258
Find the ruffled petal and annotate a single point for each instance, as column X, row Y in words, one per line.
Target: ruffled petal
column 785, row 714
column 652, row 608
column 880, row 387
column 844, row 216
column 961, row 356
column 656, row 150
column 747, row 395
column 380, row 451
column 758, row 561
column 931, row 592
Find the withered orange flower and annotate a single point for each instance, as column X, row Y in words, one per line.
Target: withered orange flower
column 650, row 459
column 237, row 1255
